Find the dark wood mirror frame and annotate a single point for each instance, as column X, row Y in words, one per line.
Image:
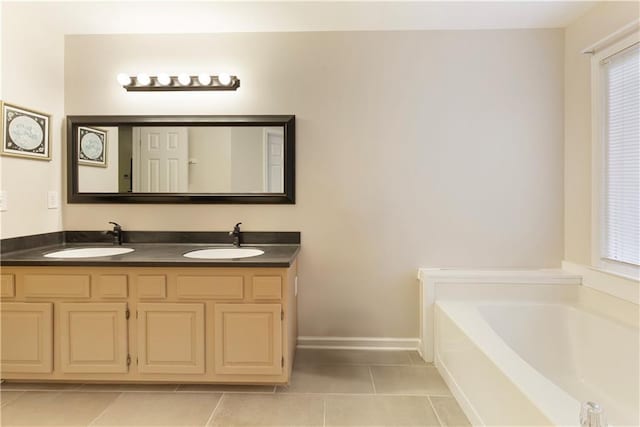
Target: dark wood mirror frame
column 286, row 121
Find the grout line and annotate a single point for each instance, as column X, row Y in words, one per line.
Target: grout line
column 324, row 411
column 105, row 409
column 373, row 383
column 215, row 409
column 433, row 408
column 311, row 393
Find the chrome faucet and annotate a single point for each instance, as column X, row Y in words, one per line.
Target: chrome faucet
column 592, row 415
column 116, row 233
column 236, row 235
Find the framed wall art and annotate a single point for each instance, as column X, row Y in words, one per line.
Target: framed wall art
column 92, row 146
column 25, row 133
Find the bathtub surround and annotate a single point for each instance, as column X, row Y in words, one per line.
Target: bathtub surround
column 540, row 361
column 502, row 285
column 531, row 337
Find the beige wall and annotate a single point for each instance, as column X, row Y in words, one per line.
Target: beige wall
column 32, row 76
column 593, row 26
column 414, row 149
column 93, row 179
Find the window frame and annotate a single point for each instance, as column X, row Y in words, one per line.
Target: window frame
column 598, row 158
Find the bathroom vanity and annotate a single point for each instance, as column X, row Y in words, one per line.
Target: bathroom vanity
column 151, row 315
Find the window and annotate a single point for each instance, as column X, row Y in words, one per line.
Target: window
column 617, row 157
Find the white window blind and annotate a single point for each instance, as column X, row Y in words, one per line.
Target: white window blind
column 622, row 156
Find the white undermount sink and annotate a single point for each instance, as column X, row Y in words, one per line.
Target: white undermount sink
column 88, row 252
column 223, row 253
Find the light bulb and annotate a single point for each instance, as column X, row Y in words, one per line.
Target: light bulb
column 124, row 79
column 224, row 79
column 204, row 79
column 143, row 79
column 184, row 79
column 164, row 79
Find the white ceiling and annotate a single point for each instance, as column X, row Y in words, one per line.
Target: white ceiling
column 92, row 17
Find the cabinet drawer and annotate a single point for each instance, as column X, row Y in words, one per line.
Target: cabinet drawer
column 152, row 287
column 57, row 286
column 211, row 287
column 112, row 286
column 8, row 286
column 267, row 287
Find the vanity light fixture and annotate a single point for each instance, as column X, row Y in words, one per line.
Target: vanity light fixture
column 143, row 79
column 224, row 79
column 165, row 82
column 204, row 79
column 184, row 79
column 164, row 79
column 124, row 79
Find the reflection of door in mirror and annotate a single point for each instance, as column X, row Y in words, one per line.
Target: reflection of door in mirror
column 161, row 160
column 274, row 160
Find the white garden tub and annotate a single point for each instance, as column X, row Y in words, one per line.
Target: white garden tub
column 533, row 363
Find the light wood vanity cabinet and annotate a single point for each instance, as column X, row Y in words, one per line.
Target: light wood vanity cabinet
column 144, row 324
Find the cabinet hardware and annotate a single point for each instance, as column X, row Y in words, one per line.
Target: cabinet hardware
column 128, row 359
column 282, row 362
column 282, row 315
column 127, row 314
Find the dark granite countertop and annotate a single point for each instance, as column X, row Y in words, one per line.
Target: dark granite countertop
column 153, row 255
column 151, row 249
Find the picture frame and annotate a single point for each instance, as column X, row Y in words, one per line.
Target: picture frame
column 25, row 132
column 92, row 146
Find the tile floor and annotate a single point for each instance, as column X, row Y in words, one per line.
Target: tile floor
column 328, row 388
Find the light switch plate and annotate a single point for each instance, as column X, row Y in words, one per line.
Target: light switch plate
column 53, row 200
column 4, row 201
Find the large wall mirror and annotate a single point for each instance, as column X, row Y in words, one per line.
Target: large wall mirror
column 181, row 159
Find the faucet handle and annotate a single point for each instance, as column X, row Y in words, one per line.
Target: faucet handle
column 116, row 226
column 237, row 227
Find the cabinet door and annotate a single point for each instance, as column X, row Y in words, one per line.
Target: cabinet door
column 27, row 337
column 93, row 337
column 171, row 338
column 248, row 339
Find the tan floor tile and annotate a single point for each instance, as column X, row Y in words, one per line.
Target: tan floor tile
column 306, row 356
column 40, row 408
column 449, row 412
column 155, row 409
column 329, row 379
column 269, row 410
column 8, row 396
column 408, row 380
column 229, row 388
column 379, row 411
column 128, row 387
column 40, row 386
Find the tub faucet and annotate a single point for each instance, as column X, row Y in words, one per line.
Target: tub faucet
column 236, row 235
column 592, row 415
column 116, row 233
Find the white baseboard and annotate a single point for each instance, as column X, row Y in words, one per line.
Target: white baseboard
column 359, row 343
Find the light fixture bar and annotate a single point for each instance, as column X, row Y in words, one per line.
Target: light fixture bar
column 217, row 82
